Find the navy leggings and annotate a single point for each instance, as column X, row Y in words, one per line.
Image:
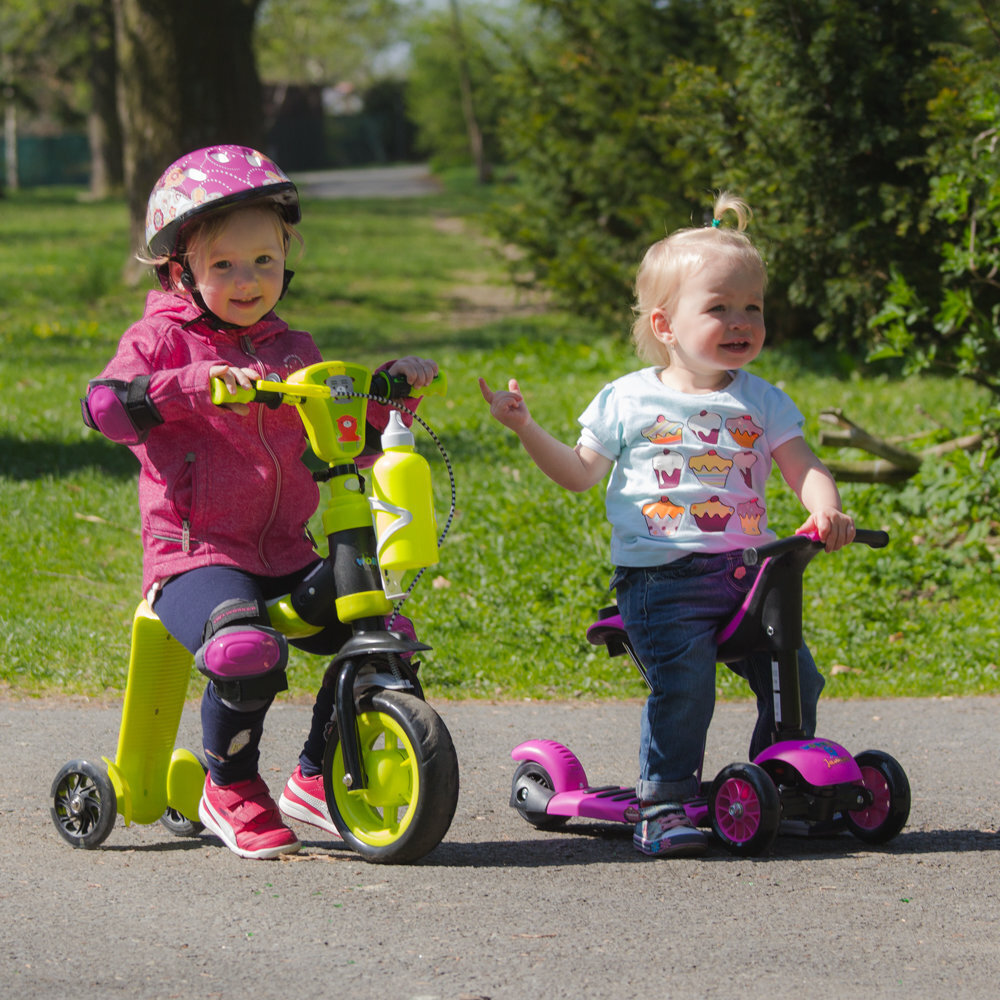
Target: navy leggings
column 231, row 737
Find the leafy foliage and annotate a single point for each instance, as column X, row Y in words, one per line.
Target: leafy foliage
column 620, row 126
column 953, row 321
column 434, row 98
column 831, row 96
column 605, row 126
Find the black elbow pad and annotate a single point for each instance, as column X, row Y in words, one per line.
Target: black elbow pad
column 121, row 411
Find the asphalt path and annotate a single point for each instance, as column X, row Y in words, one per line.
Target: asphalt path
column 499, row 909
column 403, row 181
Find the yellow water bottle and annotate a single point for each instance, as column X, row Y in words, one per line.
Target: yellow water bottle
column 403, row 503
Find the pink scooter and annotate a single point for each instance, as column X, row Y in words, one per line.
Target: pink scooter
column 807, row 785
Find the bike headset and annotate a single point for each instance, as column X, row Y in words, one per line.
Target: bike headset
column 202, row 182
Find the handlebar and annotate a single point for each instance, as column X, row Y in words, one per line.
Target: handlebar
column 873, row 538
column 271, row 391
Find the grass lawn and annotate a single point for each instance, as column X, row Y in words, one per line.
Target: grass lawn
column 526, row 564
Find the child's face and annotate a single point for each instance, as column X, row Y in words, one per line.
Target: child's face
column 240, row 274
column 716, row 324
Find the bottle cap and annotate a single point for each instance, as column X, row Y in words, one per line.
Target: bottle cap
column 396, row 433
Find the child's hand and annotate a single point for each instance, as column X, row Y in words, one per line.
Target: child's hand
column 508, row 407
column 833, row 526
column 418, row 371
column 234, row 378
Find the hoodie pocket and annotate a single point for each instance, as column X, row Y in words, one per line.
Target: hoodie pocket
column 181, row 496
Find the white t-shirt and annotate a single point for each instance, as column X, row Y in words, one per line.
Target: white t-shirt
column 689, row 470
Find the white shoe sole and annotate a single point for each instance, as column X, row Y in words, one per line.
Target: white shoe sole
column 213, row 824
column 304, row 814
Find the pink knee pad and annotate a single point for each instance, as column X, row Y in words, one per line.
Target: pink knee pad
column 240, row 652
column 245, row 662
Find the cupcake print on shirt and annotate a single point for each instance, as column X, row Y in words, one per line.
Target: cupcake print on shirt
column 711, row 468
column 712, row 514
column 750, row 514
column 705, row 426
column 663, row 517
column 744, row 430
column 745, row 461
column 664, row 431
column 667, row 468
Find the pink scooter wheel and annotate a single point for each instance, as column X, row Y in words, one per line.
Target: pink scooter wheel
column 744, row 807
column 885, row 778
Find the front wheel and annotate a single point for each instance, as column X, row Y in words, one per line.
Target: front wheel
column 745, row 809
column 411, row 793
column 885, row 778
column 84, row 804
column 531, row 788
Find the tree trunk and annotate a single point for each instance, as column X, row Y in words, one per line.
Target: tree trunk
column 187, row 78
column 483, row 169
column 104, row 132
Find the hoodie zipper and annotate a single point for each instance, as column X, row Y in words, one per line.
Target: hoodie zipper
column 247, row 345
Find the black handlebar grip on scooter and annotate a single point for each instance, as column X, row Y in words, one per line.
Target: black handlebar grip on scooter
column 866, row 536
column 872, row 538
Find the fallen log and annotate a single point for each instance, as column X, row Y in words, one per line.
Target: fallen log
column 892, row 464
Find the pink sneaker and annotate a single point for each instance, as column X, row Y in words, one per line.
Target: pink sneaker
column 304, row 799
column 244, row 817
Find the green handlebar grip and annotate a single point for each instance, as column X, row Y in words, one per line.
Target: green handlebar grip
column 221, row 395
column 439, row 387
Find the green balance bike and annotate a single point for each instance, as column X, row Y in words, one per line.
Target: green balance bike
column 390, row 771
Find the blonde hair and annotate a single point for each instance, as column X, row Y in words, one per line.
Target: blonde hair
column 668, row 262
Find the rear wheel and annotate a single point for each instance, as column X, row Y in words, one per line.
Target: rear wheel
column 177, row 823
column 745, row 809
column 532, row 785
column 885, row 778
column 84, row 805
column 411, row 793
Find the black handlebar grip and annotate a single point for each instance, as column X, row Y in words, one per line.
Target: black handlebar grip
column 872, row 538
column 390, row 386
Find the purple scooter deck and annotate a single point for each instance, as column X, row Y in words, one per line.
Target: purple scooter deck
column 608, row 803
column 574, row 796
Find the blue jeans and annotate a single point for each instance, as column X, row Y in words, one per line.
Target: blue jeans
column 672, row 614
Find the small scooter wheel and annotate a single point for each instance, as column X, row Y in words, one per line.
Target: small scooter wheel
column 176, row 822
column 532, row 783
column 411, row 766
column 745, row 809
column 885, row 778
column 179, row 825
column 84, row 805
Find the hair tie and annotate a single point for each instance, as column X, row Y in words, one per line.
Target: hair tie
column 716, row 223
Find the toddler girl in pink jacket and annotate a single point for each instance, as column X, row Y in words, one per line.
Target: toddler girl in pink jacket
column 223, row 494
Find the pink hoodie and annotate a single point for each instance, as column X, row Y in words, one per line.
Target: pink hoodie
column 217, row 488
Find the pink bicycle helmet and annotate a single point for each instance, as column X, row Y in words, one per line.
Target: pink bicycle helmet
column 208, row 179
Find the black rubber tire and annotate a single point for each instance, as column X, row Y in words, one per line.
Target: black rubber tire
column 84, row 804
column 886, row 779
column 405, row 745
column 532, row 771
column 176, row 822
column 745, row 809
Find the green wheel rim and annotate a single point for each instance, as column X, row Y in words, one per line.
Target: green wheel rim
column 381, row 813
